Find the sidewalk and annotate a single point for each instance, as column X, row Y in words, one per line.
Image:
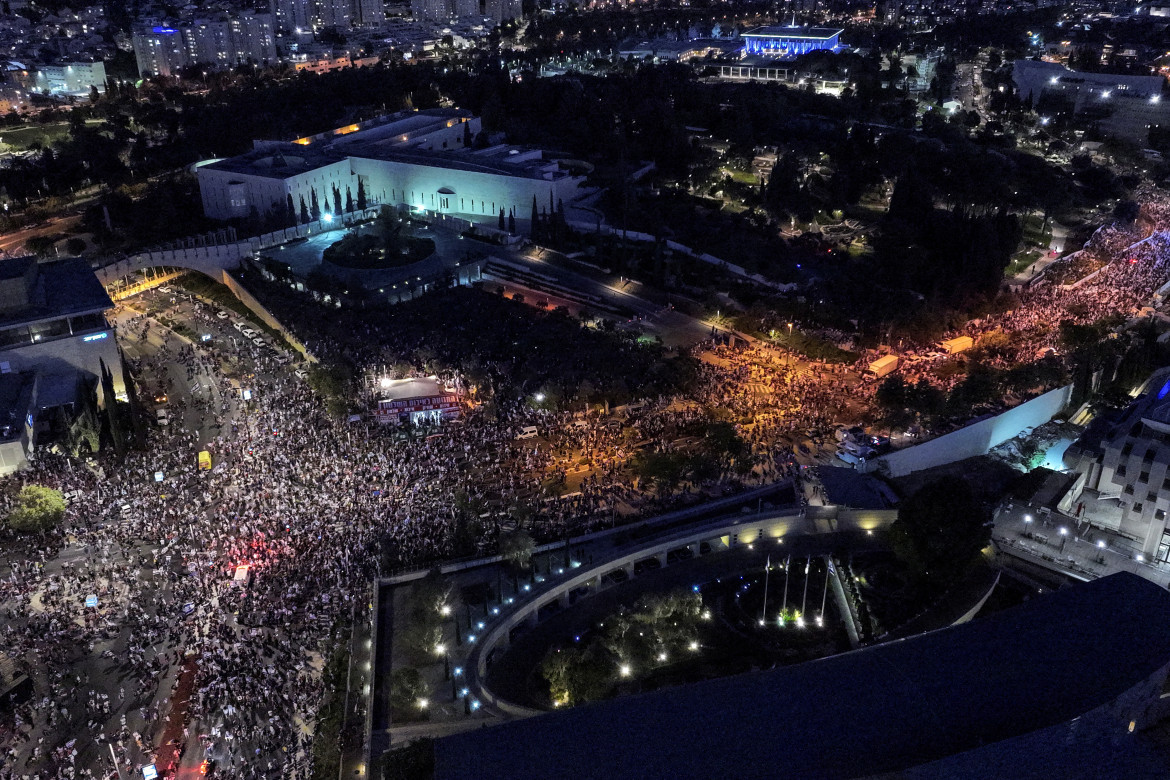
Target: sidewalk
column 1063, row 545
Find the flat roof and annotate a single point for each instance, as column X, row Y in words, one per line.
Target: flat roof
column 63, row 288
column 495, row 163
column 880, row 709
column 800, row 33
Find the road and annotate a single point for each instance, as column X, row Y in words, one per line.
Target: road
column 13, row 243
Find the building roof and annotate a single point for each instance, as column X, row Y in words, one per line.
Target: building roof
column 495, row 161
column 391, row 139
column 63, row 288
column 880, row 709
column 850, row 487
column 795, row 33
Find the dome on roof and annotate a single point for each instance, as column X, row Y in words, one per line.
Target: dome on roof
column 278, row 160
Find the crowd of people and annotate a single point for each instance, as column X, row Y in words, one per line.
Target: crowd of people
column 317, row 505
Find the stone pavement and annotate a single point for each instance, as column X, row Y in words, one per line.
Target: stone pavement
column 1061, row 544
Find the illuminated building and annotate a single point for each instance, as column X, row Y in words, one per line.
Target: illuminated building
column 1126, row 107
column 417, row 159
column 788, row 42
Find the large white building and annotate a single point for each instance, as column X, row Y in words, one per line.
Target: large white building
column 70, row 78
column 218, row 42
column 1123, row 465
column 1126, row 107
column 420, row 159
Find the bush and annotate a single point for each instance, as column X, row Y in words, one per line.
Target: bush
column 38, row 509
column 407, row 689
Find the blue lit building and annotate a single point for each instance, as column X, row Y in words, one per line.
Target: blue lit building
column 788, row 42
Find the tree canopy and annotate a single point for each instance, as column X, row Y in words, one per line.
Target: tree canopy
column 940, row 530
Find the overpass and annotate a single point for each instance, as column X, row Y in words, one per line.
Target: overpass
column 214, row 254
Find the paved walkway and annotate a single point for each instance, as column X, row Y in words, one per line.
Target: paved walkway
column 1059, row 543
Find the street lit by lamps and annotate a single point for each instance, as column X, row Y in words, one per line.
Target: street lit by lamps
column 624, row 670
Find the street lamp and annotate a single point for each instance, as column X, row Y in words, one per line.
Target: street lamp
column 1063, row 537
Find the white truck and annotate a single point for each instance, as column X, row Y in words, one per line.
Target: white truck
column 956, row 345
column 883, row 366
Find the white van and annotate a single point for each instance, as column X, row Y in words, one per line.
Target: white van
column 527, row 432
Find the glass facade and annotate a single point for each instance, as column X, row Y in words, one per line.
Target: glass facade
column 50, row 330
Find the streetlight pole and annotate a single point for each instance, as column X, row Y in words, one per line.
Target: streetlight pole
column 767, row 574
column 787, row 562
column 825, row 595
column 804, row 599
column 117, row 766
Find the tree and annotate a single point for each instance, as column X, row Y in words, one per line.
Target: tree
column 361, row 194
column 314, row 206
column 305, row 217
column 336, row 200
column 502, row 218
column 512, row 222
column 407, row 689
column 38, row 509
column 940, row 530
column 290, row 211
column 348, row 200
column 516, row 548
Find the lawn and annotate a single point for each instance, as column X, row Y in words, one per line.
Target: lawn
column 743, row 177
column 1036, row 233
column 18, row 139
column 1021, row 262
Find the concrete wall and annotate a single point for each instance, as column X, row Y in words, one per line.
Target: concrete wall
column 476, row 193
column 633, row 235
column 746, row 529
column 228, row 194
column 263, row 314
column 975, row 439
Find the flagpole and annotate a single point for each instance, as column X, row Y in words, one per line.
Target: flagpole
column 767, row 574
